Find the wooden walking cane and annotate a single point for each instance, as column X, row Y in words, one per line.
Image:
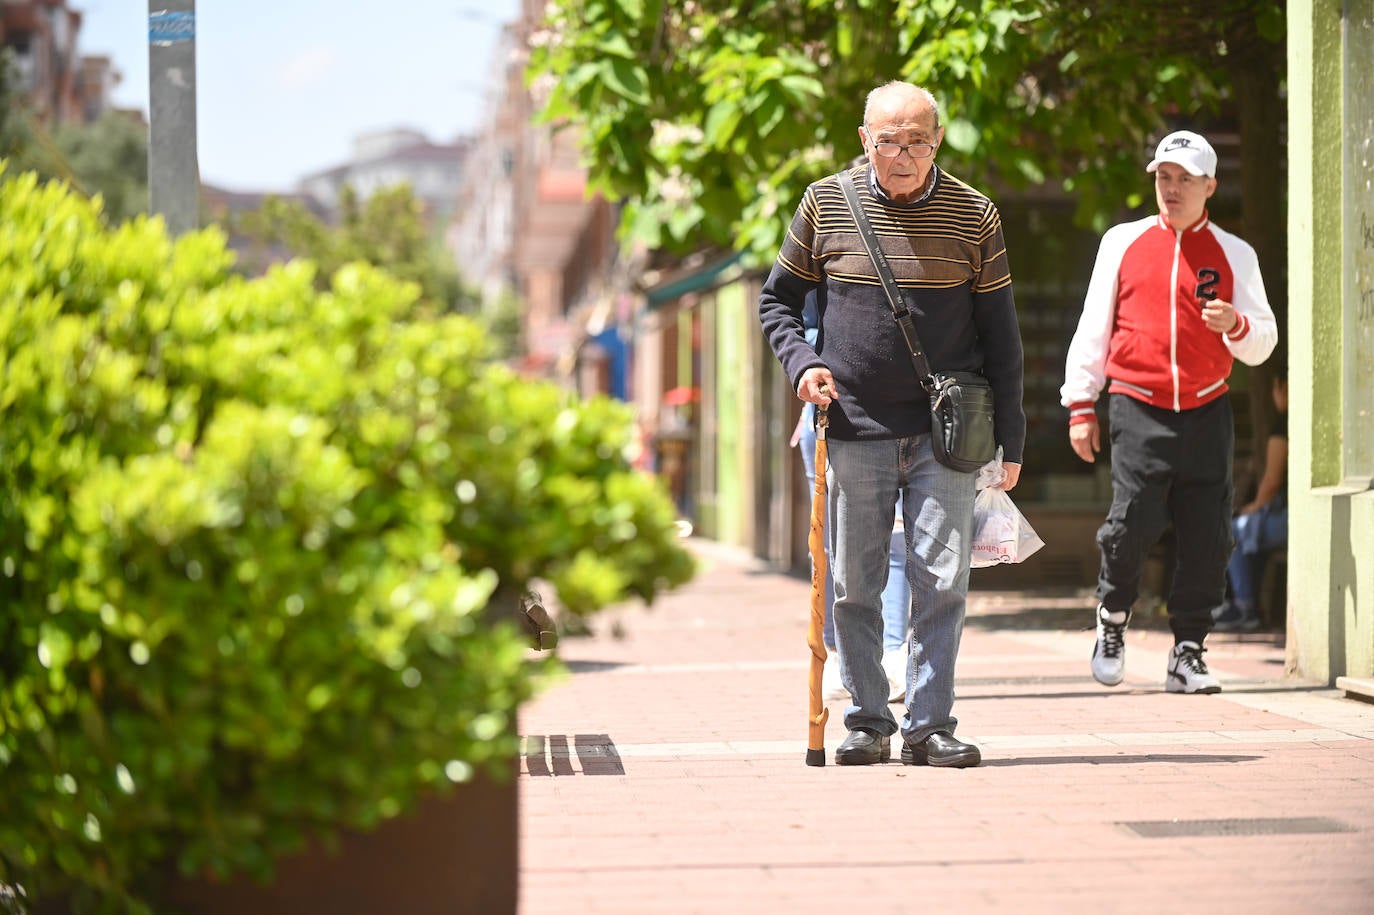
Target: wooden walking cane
column 815, row 746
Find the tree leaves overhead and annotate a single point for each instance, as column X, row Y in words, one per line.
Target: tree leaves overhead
column 707, row 118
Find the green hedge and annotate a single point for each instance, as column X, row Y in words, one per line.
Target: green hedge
column 249, row 533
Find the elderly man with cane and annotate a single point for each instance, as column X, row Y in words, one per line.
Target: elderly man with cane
column 939, row 273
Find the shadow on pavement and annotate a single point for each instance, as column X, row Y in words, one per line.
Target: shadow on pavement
column 592, row 667
column 1068, row 619
column 1235, row 688
column 1129, row 759
column 1084, row 694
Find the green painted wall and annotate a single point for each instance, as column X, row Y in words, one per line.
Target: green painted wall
column 733, row 381
column 1331, row 536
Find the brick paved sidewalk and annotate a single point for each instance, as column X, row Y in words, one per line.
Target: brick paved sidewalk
column 667, row 774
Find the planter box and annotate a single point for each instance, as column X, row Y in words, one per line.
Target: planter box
column 454, row 854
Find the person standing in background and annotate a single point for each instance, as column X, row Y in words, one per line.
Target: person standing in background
column 1260, row 526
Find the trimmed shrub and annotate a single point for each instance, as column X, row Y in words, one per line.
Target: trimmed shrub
column 250, row 534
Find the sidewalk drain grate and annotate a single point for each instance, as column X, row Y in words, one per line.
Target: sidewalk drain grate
column 1257, row 826
column 550, row 755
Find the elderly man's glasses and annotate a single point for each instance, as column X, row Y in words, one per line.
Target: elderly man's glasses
column 893, row 150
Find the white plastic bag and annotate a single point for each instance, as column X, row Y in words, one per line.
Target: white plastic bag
column 1000, row 532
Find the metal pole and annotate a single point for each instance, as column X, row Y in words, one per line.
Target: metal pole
column 173, row 168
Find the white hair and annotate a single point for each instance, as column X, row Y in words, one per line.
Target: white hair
column 897, row 87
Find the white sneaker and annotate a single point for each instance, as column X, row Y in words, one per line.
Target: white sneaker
column 832, row 689
column 1188, row 672
column 894, row 665
column 1109, row 654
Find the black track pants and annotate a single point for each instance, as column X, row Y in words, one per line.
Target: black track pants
column 1169, row 467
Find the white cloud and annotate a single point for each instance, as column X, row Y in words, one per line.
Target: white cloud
column 308, row 68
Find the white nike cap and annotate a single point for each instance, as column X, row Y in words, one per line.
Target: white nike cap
column 1188, row 149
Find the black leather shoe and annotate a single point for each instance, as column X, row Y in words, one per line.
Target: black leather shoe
column 863, row 748
column 940, row 749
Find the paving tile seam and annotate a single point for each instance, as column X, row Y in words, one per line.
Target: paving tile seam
column 1257, row 738
column 791, row 664
column 814, row 865
column 1123, row 858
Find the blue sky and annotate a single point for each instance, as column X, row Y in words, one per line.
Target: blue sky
column 283, row 86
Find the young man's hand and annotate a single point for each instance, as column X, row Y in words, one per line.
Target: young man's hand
column 1219, row 316
column 1086, row 440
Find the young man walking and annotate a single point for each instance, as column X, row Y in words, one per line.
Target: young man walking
column 1172, row 301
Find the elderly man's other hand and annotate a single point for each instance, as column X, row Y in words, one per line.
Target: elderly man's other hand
column 1012, row 477
column 817, row 386
column 1086, row 440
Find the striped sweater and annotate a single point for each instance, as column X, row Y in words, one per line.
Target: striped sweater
column 949, row 258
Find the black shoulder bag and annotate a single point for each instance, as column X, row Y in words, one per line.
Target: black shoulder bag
column 961, row 417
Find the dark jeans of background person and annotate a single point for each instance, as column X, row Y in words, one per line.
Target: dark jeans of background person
column 1169, row 466
column 1258, row 534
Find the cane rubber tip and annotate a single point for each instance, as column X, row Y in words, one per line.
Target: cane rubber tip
column 815, row 757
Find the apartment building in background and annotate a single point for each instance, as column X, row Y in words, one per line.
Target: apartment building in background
column 524, row 225
column 387, row 158
column 62, row 85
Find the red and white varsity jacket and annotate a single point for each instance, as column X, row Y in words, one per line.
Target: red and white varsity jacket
column 1142, row 326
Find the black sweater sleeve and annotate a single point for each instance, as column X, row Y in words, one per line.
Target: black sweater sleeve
column 795, row 274
column 994, row 313
column 780, row 313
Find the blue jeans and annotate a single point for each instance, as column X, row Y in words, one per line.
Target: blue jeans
column 1257, row 535
column 866, row 479
column 896, row 591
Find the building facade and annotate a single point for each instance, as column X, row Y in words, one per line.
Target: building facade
column 388, row 158
column 526, row 226
column 62, row 85
column 1331, row 346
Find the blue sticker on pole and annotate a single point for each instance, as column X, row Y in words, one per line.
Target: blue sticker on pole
column 166, row 27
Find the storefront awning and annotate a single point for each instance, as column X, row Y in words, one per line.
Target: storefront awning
column 702, row 278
